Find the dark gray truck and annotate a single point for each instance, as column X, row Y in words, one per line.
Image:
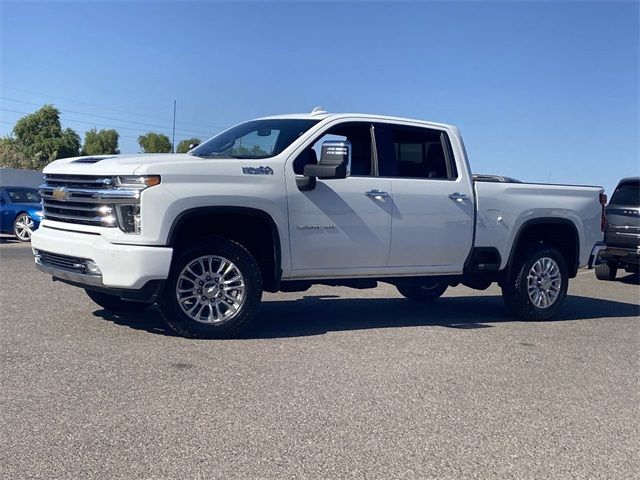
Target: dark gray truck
column 622, row 232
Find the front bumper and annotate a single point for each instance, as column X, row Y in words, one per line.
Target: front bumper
column 120, row 266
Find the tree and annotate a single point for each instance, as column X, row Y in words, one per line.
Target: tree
column 12, row 157
column 40, row 137
column 154, row 143
column 183, row 146
column 102, row 142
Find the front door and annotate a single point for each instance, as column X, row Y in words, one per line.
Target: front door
column 342, row 227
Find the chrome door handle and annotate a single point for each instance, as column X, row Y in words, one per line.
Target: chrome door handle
column 459, row 197
column 377, row 194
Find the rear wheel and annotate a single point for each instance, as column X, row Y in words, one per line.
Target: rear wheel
column 606, row 271
column 213, row 291
column 422, row 291
column 537, row 285
column 113, row 303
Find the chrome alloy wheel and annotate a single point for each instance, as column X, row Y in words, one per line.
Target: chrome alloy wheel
column 210, row 289
column 24, row 227
column 544, row 282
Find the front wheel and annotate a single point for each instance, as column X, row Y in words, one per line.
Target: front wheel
column 537, row 285
column 422, row 291
column 113, row 303
column 213, row 290
column 23, row 227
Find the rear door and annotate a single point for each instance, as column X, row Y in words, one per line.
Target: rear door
column 433, row 208
column 623, row 216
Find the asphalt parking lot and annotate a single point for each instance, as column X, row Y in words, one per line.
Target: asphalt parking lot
column 334, row 383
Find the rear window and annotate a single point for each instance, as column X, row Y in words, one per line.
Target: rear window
column 627, row 194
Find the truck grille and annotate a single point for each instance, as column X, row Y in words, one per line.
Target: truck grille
column 84, row 199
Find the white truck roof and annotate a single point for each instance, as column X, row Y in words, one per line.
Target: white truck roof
column 325, row 115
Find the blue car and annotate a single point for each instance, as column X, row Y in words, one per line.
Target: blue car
column 20, row 211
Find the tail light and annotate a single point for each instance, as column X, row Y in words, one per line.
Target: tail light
column 603, row 216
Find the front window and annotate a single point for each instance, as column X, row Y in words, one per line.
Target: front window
column 23, row 195
column 255, row 139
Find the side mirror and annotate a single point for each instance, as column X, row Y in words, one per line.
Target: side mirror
column 335, row 161
column 193, row 145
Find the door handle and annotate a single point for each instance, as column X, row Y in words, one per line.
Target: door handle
column 377, row 194
column 459, row 197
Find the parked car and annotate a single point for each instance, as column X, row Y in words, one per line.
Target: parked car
column 20, row 211
column 281, row 203
column 622, row 232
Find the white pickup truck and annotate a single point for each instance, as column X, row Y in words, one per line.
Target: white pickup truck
column 284, row 202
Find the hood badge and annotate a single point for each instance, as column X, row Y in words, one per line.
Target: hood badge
column 60, row 194
column 257, row 170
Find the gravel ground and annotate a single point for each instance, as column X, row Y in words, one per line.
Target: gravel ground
column 334, row 383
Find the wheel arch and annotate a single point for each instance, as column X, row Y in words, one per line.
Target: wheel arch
column 549, row 230
column 244, row 233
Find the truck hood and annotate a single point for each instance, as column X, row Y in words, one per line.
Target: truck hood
column 113, row 164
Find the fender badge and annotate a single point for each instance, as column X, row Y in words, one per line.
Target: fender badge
column 257, row 170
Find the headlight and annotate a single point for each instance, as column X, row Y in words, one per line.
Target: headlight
column 128, row 215
column 129, row 218
column 135, row 181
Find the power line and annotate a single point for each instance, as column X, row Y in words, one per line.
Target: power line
column 89, row 123
column 107, row 118
column 119, row 134
column 40, row 94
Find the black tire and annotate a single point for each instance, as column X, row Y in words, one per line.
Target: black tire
column 421, row 291
column 21, row 233
column 113, row 303
column 606, row 271
column 237, row 322
column 515, row 288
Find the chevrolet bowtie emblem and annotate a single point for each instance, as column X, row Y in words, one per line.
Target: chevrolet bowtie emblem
column 60, row 194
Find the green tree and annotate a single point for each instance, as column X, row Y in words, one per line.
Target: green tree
column 40, row 137
column 102, row 142
column 183, row 146
column 12, row 157
column 154, row 143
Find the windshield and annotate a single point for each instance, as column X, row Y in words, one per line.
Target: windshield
column 254, row 139
column 23, row 195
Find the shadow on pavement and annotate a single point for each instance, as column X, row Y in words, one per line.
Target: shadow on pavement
column 150, row 321
column 633, row 279
column 316, row 315
column 7, row 239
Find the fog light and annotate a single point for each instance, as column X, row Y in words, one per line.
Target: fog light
column 92, row 267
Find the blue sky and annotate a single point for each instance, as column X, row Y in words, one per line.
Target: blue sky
column 538, row 88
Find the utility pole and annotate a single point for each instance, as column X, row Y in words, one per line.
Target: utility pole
column 173, row 135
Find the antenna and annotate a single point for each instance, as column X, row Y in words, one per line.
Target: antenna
column 318, row 111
